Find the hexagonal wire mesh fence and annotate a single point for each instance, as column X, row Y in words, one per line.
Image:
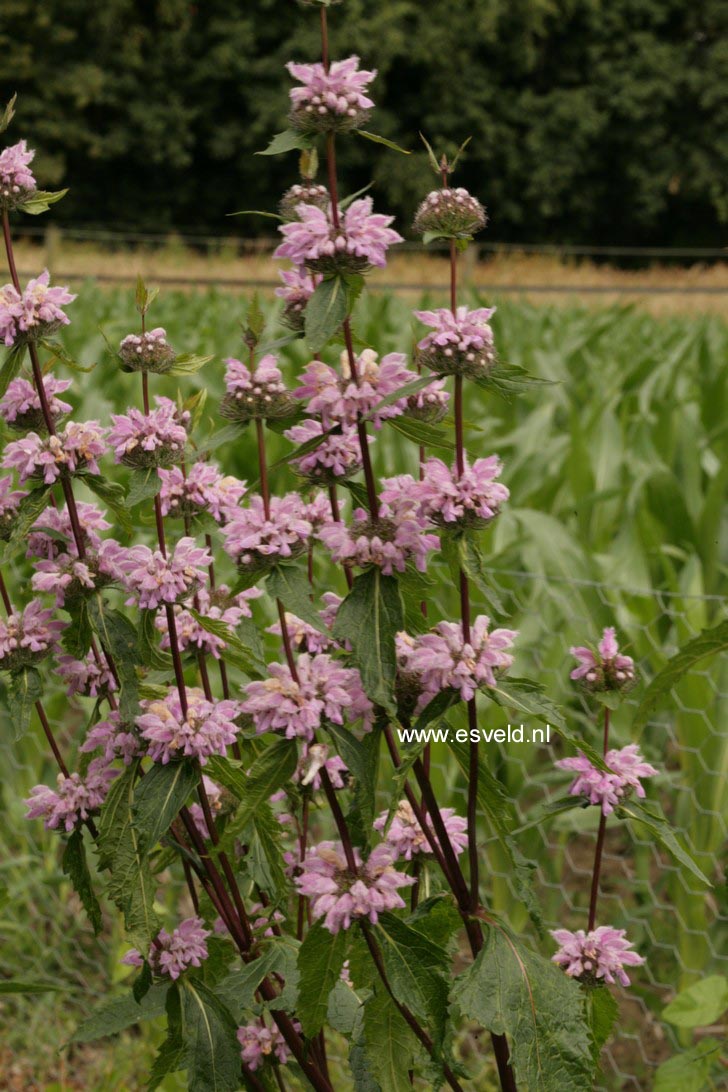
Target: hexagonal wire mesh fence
column 681, row 928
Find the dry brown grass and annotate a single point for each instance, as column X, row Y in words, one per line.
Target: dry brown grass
column 660, row 289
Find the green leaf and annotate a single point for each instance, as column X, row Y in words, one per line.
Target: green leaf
column 662, row 832
column 41, row 201
column 76, row 637
column 187, row 364
column 325, row 312
column 236, row 651
column 14, row 985
column 27, row 512
column 708, row 643
column 603, row 1012
column 362, row 758
column 75, row 866
column 369, row 618
column 288, row 141
column 158, row 798
column 431, row 155
column 265, row 853
column 213, row 1051
column 23, row 690
column 8, row 114
column 699, row 1005
column 112, row 494
column 690, row 1071
column 119, row 638
column 131, row 885
column 11, row 365
column 150, row 653
column 257, row 212
column 59, row 352
column 237, row 990
column 508, row 379
column 388, row 1045
column 512, row 991
column 377, row 139
column 320, row 959
column 415, row 966
column 272, row 770
column 419, row 432
column 111, row 1017
column 143, row 485
column 289, row 583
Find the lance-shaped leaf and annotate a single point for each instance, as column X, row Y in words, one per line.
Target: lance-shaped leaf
column 708, row 643
column 662, row 832
column 290, row 140
column 23, row 690
column 362, row 758
column 289, row 583
column 112, row 495
column 369, row 618
column 143, row 485
column 415, row 967
column 325, row 312
column 603, row 1012
column 119, row 638
column 17, row 985
column 270, row 771
column 158, row 798
column 26, row 514
column 111, row 1017
column 188, row 364
column 41, row 201
column 377, row 139
column 213, row 1052
column 237, row 652
column 320, row 959
column 510, row 990
column 75, row 866
column 12, row 364
column 388, row 1046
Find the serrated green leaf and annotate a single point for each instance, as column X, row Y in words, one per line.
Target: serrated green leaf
column 26, row 514
column 143, row 485
column 24, row 688
column 320, row 959
column 288, row 141
column 271, row 771
column 112, row 494
column 512, row 991
column 289, row 583
column 661, row 830
column 119, row 639
column 187, row 364
column 377, row 139
column 325, row 312
column 415, row 966
column 158, row 798
column 362, row 758
column 75, row 866
column 237, row 990
column 603, row 1012
column 419, row 432
column 265, row 853
column 213, row 1052
column 388, row 1045
column 111, row 1017
column 236, row 651
column 369, row 618
column 708, row 643
column 12, row 364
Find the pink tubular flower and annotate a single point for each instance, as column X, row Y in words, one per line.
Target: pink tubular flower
column 53, row 526
column 442, row 660
column 155, row 579
column 118, row 739
column 471, row 499
column 20, row 405
column 360, row 241
column 605, row 670
column 74, row 799
column 86, row 676
column 69, row 577
column 27, row 636
column 220, row 606
column 17, row 182
column 204, row 489
column 336, row 458
column 598, row 956
column 332, row 98
column 154, row 439
column 174, row 952
column 77, row 447
column 461, row 344
column 407, row 838
column 339, row 897
column 257, row 542
column 9, row 502
column 259, row 1042
column 335, row 397
column 208, row 729
column 34, row 314
column 260, row 393
column 297, row 288
column 214, row 796
column 399, row 535
column 147, row 352
column 608, row 790
column 325, row 691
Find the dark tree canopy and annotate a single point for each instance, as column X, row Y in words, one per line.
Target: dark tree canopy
column 599, row 121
